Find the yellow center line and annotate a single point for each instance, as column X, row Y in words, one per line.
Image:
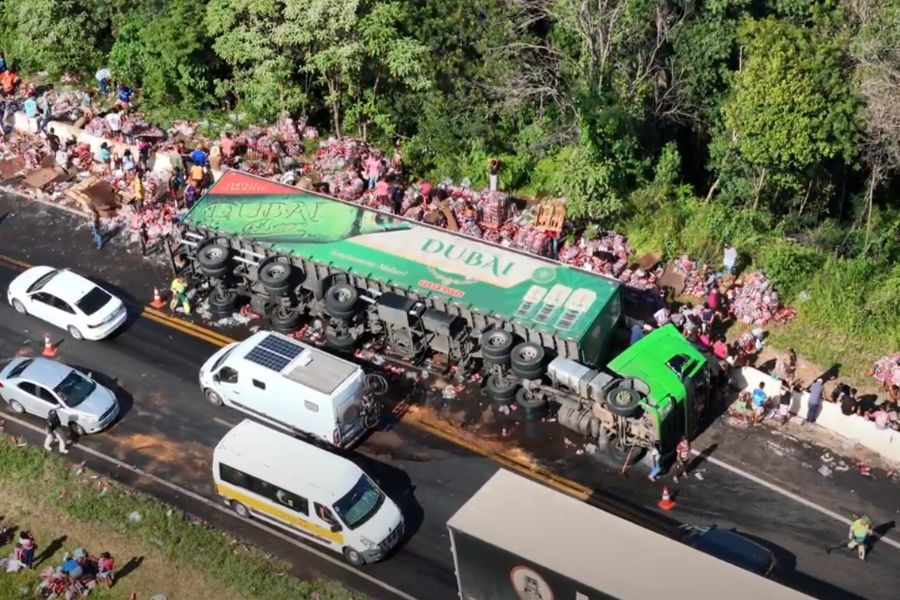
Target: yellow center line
column 429, row 424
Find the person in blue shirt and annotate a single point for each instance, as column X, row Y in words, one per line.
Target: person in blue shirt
column 199, row 157
column 2, row 62
column 124, row 96
column 30, row 107
column 759, row 397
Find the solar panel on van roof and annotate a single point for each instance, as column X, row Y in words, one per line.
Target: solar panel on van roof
column 274, row 353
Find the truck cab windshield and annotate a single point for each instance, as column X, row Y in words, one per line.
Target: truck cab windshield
column 360, row 503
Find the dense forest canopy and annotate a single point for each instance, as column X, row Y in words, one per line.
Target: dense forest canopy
column 774, row 124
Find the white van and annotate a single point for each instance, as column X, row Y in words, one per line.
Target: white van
column 293, row 386
column 299, row 487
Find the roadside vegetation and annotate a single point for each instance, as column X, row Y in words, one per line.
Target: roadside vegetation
column 170, row 552
column 682, row 123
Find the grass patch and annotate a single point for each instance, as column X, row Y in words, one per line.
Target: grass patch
column 50, row 489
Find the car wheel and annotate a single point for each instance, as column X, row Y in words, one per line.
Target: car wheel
column 20, row 308
column 501, row 390
column 240, row 509
column 16, row 407
column 340, row 300
column 212, row 397
column 527, row 360
column 77, row 430
column 623, row 401
column 75, row 333
column 275, row 277
column 353, row 557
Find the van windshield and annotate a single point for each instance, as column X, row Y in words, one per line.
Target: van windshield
column 360, row 503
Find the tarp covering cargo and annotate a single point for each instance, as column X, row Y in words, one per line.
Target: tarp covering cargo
column 517, row 287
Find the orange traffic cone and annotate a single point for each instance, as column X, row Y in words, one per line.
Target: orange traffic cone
column 49, row 349
column 666, row 503
column 158, row 302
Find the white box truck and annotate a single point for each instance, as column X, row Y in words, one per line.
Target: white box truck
column 293, row 386
column 519, row 540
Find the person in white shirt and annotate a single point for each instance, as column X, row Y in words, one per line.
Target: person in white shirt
column 103, row 76
column 730, row 258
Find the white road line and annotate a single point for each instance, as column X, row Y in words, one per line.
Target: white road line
column 788, row 494
column 172, row 486
column 224, row 422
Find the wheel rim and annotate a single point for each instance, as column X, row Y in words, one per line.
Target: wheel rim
column 76, row 429
column 75, row 333
column 528, row 353
column 497, row 340
column 282, row 313
column 215, row 253
column 343, row 295
column 353, row 555
column 622, row 398
column 16, row 407
column 241, row 510
column 222, row 296
column 275, row 271
column 213, row 397
column 20, row 308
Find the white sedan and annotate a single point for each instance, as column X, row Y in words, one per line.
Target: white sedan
column 68, row 301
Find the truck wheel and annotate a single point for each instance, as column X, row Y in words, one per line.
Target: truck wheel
column 496, row 345
column 501, row 390
column 340, row 341
column 284, row 319
column 353, row 557
column 619, row 452
column 527, row 360
column 259, row 305
column 623, row 401
column 340, row 301
column 275, row 277
column 213, row 259
column 222, row 301
column 531, row 407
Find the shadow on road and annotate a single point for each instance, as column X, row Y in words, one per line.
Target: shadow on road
column 880, row 531
column 397, row 485
column 123, row 396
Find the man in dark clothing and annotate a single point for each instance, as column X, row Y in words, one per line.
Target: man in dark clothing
column 53, row 141
column 849, row 404
column 54, row 431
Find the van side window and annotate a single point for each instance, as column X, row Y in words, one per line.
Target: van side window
column 292, row 501
column 259, row 384
column 263, row 488
column 324, row 513
column 312, row 406
column 234, row 477
column 228, row 375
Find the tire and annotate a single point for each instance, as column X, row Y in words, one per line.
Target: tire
column 240, row 510
column 275, row 277
column 623, row 401
column 284, row 319
column 212, row 397
column 340, row 300
column 530, row 407
column 20, row 308
column 16, row 407
column 339, row 342
column 213, row 259
column 496, row 345
column 222, row 301
column 77, row 430
column 353, row 557
column 619, row 453
column 500, row 390
column 527, row 360
column 75, row 333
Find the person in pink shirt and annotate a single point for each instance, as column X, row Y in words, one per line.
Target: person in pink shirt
column 372, row 168
column 227, row 145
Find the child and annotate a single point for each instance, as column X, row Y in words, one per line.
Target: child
column 105, row 570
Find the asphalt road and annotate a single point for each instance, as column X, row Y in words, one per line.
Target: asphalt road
column 168, row 431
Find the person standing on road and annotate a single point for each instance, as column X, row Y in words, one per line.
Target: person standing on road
column 682, row 458
column 655, row 467
column 859, row 533
column 54, row 431
column 815, row 400
column 179, row 295
column 96, row 235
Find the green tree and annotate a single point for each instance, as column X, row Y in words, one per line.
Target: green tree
column 794, row 111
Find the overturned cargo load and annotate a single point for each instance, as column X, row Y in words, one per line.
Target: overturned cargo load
column 569, row 310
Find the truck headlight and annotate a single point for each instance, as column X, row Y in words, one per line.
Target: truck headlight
column 367, row 542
